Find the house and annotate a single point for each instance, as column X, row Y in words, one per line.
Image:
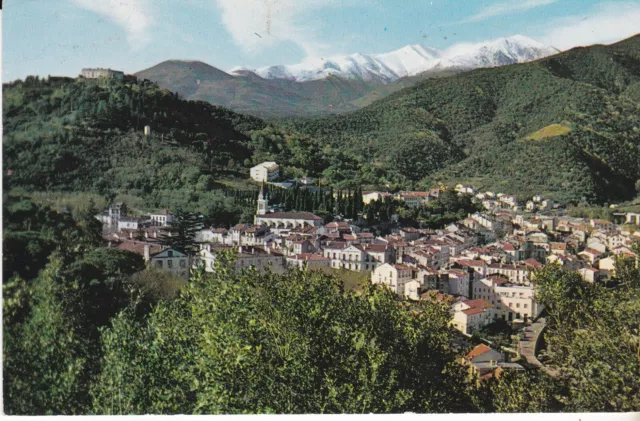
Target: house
column 130, row 223
column 511, row 301
column 298, row 246
column 260, row 259
column 484, row 354
column 471, row 315
column 112, row 215
column 172, row 261
column 559, row 249
column 632, row 218
column 211, row 235
column 309, row 261
column 142, row 248
column 590, row 255
column 265, row 172
column 162, row 218
column 456, row 282
column 392, row 275
column 590, row 274
column 602, row 225
column 516, row 273
column 369, row 196
column 412, row 290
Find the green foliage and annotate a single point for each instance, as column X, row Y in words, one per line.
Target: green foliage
column 44, row 358
column 87, row 136
column 292, row 343
column 182, row 232
column 593, row 338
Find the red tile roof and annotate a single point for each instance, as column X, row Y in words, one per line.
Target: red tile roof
column 138, row 247
column 477, row 351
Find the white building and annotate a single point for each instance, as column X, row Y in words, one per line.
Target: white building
column 471, row 315
column 357, row 257
column 369, row 196
column 162, row 217
column 265, row 172
column 414, row 199
column 511, row 301
column 393, row 276
column 129, row 223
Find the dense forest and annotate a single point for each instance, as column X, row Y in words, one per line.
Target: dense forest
column 88, row 331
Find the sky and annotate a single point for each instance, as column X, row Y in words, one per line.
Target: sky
column 59, row 37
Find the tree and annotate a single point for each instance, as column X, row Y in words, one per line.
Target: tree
column 182, row 233
column 45, row 357
column 292, row 343
column 592, row 338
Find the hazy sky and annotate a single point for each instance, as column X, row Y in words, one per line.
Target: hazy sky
column 59, row 37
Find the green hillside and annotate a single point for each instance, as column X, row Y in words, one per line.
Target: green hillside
column 471, row 126
column 63, row 134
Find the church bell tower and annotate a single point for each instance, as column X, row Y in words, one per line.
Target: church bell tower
column 262, row 202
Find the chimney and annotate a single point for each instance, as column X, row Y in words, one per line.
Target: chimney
column 147, row 252
column 130, row 234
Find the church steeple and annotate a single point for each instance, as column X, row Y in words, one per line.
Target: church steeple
column 262, row 202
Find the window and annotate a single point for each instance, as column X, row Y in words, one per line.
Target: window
column 525, row 306
column 169, row 264
column 518, row 305
column 159, row 263
column 170, row 254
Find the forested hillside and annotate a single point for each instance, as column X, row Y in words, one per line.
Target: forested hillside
column 568, row 126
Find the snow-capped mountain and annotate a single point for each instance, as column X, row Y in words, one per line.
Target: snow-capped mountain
column 409, row 61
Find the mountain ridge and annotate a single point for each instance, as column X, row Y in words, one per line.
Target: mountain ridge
column 410, row 60
column 276, row 94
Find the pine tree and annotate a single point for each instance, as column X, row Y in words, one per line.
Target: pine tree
column 182, row 232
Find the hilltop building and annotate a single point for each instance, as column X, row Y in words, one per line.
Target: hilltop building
column 100, row 73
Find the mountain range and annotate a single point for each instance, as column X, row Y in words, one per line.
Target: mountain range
column 410, row 61
column 321, row 86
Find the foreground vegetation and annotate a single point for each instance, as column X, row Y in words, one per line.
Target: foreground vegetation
column 87, row 332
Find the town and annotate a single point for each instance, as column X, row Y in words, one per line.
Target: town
column 482, row 266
